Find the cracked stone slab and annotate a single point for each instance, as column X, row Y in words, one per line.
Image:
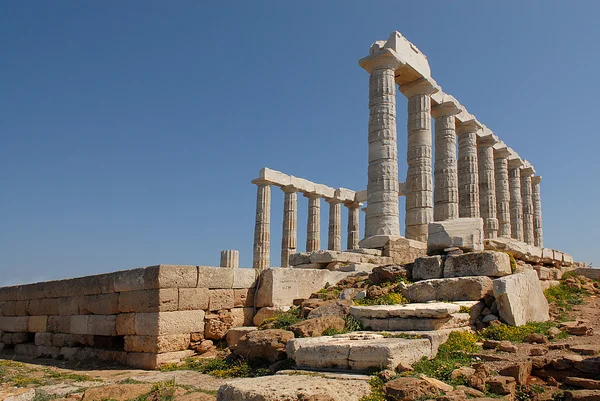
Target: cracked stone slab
column 433, row 310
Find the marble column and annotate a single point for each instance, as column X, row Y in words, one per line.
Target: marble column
column 353, row 225
column 313, row 229
column 502, row 191
column 290, row 225
column 382, row 185
column 527, row 195
column 230, row 258
column 468, row 170
column 487, row 185
column 538, row 234
column 262, row 227
column 516, row 205
column 419, row 186
column 334, row 237
column 445, row 190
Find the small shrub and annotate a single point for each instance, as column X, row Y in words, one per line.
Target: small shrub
column 513, row 263
column 282, row 320
column 377, row 393
column 223, row 368
column 332, row 332
column 464, row 309
column 504, row 332
column 564, row 297
column 400, row 335
column 391, row 298
column 43, row 396
column 352, row 324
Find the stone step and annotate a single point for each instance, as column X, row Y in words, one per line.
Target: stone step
column 326, row 258
column 450, row 289
column 357, row 351
column 432, row 310
column 452, row 321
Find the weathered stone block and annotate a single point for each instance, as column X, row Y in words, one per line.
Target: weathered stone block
column 433, row 310
column 235, row 333
column 30, row 350
column 9, row 293
column 244, row 278
column 159, row 300
column 79, row 324
column 520, row 299
column 155, row 277
column 404, row 250
column 102, row 325
column 15, row 338
column 14, row 324
column 31, row 291
column 37, row 324
column 162, row 323
column 463, row 233
column 157, row 344
column 428, row 267
column 60, row 339
column 104, row 304
column 220, row 299
column 43, row 307
column 193, row 298
column 450, row 289
column 215, row 277
column 485, row 263
column 242, row 316
column 268, row 312
column 419, row 324
column 125, row 324
column 68, row 306
column 153, row 361
column 243, row 297
column 43, row 339
column 59, row 324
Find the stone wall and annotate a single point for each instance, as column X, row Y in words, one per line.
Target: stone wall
column 141, row 317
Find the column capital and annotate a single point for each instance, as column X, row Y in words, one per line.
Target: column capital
column 501, row 151
column 488, row 139
column 311, row 195
column 527, row 171
column 333, row 201
column 420, row 86
column 289, row 189
column 385, row 58
column 445, row 109
column 536, row 179
column 468, row 127
column 515, row 162
column 261, row 182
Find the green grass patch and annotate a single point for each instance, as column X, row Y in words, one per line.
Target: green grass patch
column 377, row 393
column 464, row 309
column 222, row 368
column 564, row 297
column 454, row 353
column 43, row 396
column 282, row 320
column 129, row 380
column 391, row 298
column 504, row 332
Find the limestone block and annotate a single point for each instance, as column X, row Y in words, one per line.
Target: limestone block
column 32, row 291
column 154, row 277
column 101, row 304
column 419, row 324
column 60, row 339
column 548, row 284
column 59, row 324
column 37, row 324
column 79, row 324
column 404, row 250
column 220, row 299
column 157, row 344
column 14, row 308
column 588, row 272
column 268, row 312
column 450, row 289
column 48, row 352
column 243, row 297
column 125, row 324
column 215, row 277
column 30, row 350
column 244, row 278
column 159, row 300
column 326, row 256
column 428, row 267
column 14, row 324
column 162, row 323
column 15, row 338
column 142, row 360
column 433, row 310
column 463, row 233
column 68, row 306
column 102, row 325
column 9, row 293
column 193, row 298
column 388, row 354
column 543, row 273
column 235, row 333
column 520, row 299
column 519, row 250
column 279, row 287
column 242, row 316
column 484, row 263
column 43, row 339
column 280, row 387
column 43, row 307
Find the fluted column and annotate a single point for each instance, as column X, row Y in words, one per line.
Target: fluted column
column 353, row 225
column 516, row 205
column 313, row 229
column 382, row 185
column 419, row 186
column 334, row 237
column 468, row 170
column 537, row 212
column 502, row 191
column 230, row 258
column 527, row 195
column 262, row 227
column 290, row 225
column 445, row 190
column 487, row 185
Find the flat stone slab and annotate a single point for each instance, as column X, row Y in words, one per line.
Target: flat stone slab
column 294, row 387
column 434, row 310
column 450, row 289
column 485, row 263
column 417, row 324
column 325, row 257
column 357, row 351
column 520, row 299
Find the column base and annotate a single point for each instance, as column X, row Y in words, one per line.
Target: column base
column 377, row 241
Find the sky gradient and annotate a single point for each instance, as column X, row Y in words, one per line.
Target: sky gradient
column 131, row 130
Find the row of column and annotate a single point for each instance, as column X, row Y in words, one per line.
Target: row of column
column 262, row 227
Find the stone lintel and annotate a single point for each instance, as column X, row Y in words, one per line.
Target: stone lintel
column 448, row 108
column 384, row 58
column 468, row 126
column 527, row 171
column 514, row 161
column 501, row 151
column 422, row 86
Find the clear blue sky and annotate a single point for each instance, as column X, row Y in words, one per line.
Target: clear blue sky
column 131, row 129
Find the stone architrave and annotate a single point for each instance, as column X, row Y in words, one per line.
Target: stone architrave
column 487, row 185
column 527, row 195
column 419, row 188
column 353, row 225
column 230, row 258
column 290, row 225
column 468, row 171
column 313, row 229
column 445, row 192
column 537, row 212
column 516, row 205
column 382, row 185
column 501, row 154
column 262, row 227
column 334, row 235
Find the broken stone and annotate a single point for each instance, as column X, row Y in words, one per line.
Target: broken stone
column 464, row 372
column 589, row 384
column 536, row 338
column 388, row 274
column 316, row 326
column 485, row 263
column 507, row 346
column 434, row 310
column 502, row 385
column 409, row 388
column 265, row 344
column 520, row 299
column 428, row 267
column 463, row 233
column 449, row 289
column 538, row 351
column 335, row 308
column 580, row 330
column 586, row 349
